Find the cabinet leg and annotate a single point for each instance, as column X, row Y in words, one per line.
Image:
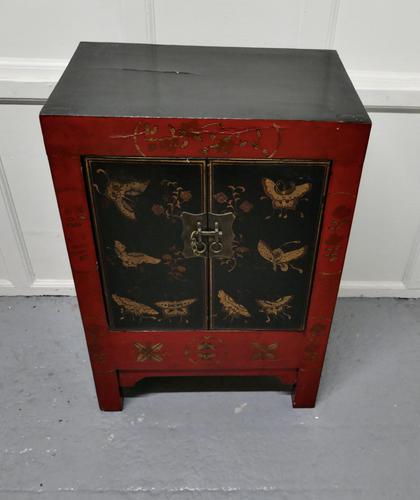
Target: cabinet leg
column 306, row 389
column 108, row 391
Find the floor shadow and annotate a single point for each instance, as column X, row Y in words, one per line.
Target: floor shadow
column 205, row 384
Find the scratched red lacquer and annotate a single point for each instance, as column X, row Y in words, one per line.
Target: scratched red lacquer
column 115, row 358
column 212, row 139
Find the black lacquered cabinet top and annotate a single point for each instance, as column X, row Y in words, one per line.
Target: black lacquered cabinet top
column 118, row 79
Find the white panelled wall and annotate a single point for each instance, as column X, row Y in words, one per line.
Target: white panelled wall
column 378, row 43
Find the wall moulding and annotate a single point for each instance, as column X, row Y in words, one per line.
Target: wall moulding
column 15, row 248
column 30, row 81
column 29, row 78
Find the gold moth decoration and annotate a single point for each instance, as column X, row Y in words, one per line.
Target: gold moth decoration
column 175, row 308
column 285, row 196
column 123, row 194
column 274, row 308
column 133, row 259
column 281, row 259
column 232, row 308
column 135, row 308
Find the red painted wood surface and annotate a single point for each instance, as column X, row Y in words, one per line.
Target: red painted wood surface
column 117, row 356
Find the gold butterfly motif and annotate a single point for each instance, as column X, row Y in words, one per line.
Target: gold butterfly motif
column 133, row 259
column 135, row 308
column 122, row 193
column 274, row 308
column 232, row 308
column 175, row 308
column 282, row 259
column 283, row 196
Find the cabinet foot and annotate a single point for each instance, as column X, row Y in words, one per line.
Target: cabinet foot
column 306, row 388
column 108, row 391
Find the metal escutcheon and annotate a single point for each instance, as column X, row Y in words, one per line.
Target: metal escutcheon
column 207, row 235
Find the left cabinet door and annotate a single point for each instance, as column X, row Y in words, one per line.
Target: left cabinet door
column 136, row 205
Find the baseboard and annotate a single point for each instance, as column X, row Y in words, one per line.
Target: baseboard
column 6, row 284
column 53, row 287
column 395, row 289
column 39, row 287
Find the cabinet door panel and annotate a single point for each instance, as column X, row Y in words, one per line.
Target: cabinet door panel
column 136, row 205
column 278, row 208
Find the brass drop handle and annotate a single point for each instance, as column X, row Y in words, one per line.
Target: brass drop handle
column 207, row 234
column 197, row 244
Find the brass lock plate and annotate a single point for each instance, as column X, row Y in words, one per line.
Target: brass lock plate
column 207, row 235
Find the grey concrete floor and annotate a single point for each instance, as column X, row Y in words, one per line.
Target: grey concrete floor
column 362, row 441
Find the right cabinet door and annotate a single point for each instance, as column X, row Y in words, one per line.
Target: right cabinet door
column 278, row 207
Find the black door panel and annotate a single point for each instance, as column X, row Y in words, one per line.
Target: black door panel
column 277, row 207
column 136, row 205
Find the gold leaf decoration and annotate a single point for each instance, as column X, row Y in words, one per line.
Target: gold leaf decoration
column 280, row 258
column 206, row 350
column 174, row 197
column 264, row 351
column 265, row 251
column 274, row 308
column 284, row 196
column 211, row 137
column 149, row 352
column 135, row 308
column 133, row 259
column 232, row 308
column 122, row 195
column 175, row 308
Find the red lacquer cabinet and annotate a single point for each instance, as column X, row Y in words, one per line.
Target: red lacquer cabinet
column 206, row 196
